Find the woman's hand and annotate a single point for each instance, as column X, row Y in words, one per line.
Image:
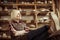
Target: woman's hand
column 27, row 29
column 17, row 33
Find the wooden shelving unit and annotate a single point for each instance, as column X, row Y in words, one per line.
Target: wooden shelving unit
column 32, row 4
column 30, row 8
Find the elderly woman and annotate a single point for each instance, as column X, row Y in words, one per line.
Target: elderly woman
column 18, row 27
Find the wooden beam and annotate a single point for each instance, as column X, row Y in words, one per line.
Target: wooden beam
column 36, row 15
column 34, row 1
column 54, row 10
column 53, row 6
column 0, row 1
column 17, row 1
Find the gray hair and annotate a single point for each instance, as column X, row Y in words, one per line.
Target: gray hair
column 14, row 13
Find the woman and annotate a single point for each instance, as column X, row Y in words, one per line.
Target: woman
column 18, row 27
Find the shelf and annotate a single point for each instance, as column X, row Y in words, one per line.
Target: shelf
column 29, row 21
column 4, row 22
column 43, row 23
column 24, row 4
column 19, row 4
column 4, row 19
column 2, row 38
column 4, row 28
column 4, row 13
column 43, row 4
column 27, row 17
column 43, row 13
column 6, row 4
column 29, row 4
column 24, row 14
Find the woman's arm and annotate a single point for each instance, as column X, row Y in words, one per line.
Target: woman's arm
column 16, row 33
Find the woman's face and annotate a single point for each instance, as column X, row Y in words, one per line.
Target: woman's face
column 15, row 15
column 18, row 16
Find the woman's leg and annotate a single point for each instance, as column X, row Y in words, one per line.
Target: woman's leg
column 35, row 33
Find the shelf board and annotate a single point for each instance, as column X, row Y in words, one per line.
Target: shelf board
column 4, row 13
column 43, row 4
column 28, row 4
column 4, row 21
column 6, row 38
column 19, row 4
column 43, row 13
column 24, row 4
column 43, row 23
column 28, row 15
column 4, row 30
column 6, row 4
